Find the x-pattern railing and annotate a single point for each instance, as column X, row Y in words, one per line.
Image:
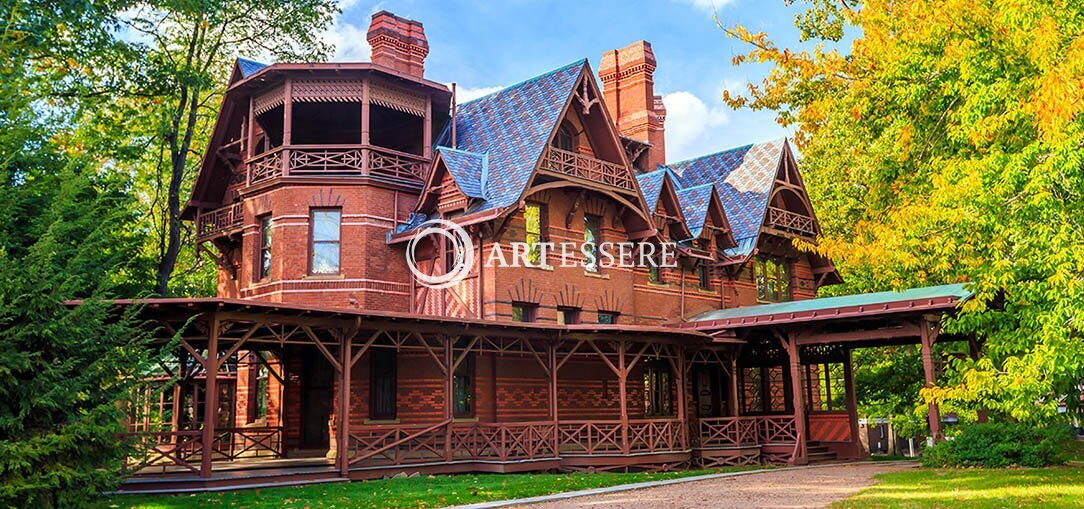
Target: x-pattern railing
column 746, row 431
column 589, row 436
column 233, row 443
column 789, row 220
column 587, row 167
column 335, row 161
column 164, row 449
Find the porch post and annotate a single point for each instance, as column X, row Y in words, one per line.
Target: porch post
column 852, row 401
column 210, row 397
column 682, row 417
column 928, row 332
column 733, row 393
column 343, row 457
column 287, row 124
column 552, row 354
column 365, row 130
column 791, row 343
column 622, row 391
column 449, row 388
column 427, row 136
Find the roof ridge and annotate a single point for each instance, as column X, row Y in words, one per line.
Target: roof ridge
column 461, row 151
column 713, row 154
column 690, row 188
column 526, row 81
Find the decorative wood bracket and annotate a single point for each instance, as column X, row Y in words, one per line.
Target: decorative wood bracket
column 583, row 98
column 575, row 207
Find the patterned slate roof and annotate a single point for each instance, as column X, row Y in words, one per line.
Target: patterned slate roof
column 249, row 67
column 468, row 169
column 651, row 187
column 743, row 177
column 511, row 127
column 694, row 206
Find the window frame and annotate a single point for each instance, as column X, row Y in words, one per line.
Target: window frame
column 564, row 312
column 658, row 390
column 529, row 312
column 564, row 130
column 703, row 274
column 771, row 275
column 469, row 372
column 588, row 221
column 534, row 252
column 613, row 316
column 312, row 240
column 266, row 225
column 393, row 374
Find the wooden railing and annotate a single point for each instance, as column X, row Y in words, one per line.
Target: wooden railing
column 399, row 445
column 788, row 220
column 446, row 441
column 587, row 167
column 219, row 221
column 609, row 437
column 335, row 161
column 516, row 441
column 256, row 442
column 163, row 449
column 746, row 431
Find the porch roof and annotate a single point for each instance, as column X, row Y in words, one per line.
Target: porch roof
column 452, row 324
column 865, row 305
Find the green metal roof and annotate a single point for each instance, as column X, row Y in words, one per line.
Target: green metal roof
column 877, row 299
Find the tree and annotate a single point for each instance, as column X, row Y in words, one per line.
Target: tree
column 187, row 47
column 943, row 143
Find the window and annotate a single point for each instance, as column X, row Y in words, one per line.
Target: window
column 657, row 389
column 257, row 388
column 534, row 216
column 523, row 312
column 382, row 369
column 265, row 247
column 704, row 276
column 326, row 234
column 463, row 388
column 773, row 279
column 591, row 240
column 564, row 139
column 568, row 316
column 653, row 273
column 607, row 317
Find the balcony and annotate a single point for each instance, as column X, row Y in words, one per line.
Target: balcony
column 587, row 168
column 789, row 221
column 334, row 161
column 219, row 222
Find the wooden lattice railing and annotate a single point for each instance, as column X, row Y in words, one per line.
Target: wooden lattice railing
column 727, row 432
column 777, row 429
column 335, row 161
column 255, row 442
column 399, row 445
column 163, row 449
column 219, row 221
column 447, row 441
column 530, row 440
column 787, row 220
column 589, row 437
column 587, row 167
column 608, row 437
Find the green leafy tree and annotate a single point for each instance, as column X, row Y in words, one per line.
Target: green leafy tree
column 943, row 142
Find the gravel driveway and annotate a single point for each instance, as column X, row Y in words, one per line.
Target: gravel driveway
column 813, row 487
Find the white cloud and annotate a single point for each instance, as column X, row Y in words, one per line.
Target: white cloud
column 348, row 40
column 465, row 94
column 692, row 126
column 708, row 6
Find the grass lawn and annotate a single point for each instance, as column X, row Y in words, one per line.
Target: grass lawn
column 966, row 488
column 415, row 492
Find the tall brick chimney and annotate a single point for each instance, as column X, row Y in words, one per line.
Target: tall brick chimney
column 398, row 43
column 628, row 86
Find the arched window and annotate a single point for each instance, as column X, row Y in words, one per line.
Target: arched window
column 564, row 139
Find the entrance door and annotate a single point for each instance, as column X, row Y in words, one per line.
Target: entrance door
column 710, row 391
column 317, row 378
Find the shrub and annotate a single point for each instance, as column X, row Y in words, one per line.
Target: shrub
column 995, row 445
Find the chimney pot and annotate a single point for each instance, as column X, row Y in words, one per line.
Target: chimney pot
column 398, row 43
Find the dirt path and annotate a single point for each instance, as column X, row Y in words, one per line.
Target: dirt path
column 814, row 487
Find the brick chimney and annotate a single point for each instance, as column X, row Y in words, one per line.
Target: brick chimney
column 628, row 86
column 398, row 43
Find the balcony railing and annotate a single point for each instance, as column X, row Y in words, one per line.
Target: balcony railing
column 219, row 221
column 587, row 168
column 787, row 220
column 335, row 161
column 746, row 431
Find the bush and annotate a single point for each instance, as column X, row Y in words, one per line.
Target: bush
column 995, row 445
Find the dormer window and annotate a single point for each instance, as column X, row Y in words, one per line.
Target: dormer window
column 772, row 276
column 564, row 139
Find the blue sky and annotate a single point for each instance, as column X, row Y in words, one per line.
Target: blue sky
column 483, row 46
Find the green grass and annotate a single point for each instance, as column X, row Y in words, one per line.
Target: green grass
column 974, row 488
column 414, row 492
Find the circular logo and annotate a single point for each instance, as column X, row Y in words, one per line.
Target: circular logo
column 459, row 243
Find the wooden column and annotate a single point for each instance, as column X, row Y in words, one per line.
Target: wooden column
column 622, row 391
column 552, row 355
column 683, row 418
column 365, row 134
column 210, row 398
column 427, row 136
column 287, row 124
column 449, row 388
column 928, row 331
column 734, row 380
column 343, row 437
column 790, row 344
column 250, row 137
column 852, row 401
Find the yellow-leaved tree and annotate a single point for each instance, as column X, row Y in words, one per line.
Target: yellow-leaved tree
column 942, row 141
